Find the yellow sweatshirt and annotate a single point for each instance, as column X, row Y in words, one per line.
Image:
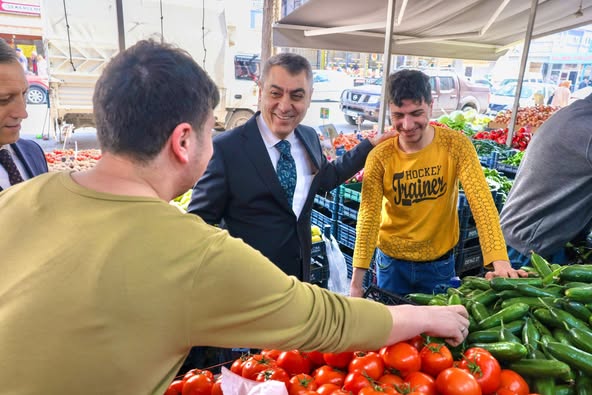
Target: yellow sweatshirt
column 409, row 201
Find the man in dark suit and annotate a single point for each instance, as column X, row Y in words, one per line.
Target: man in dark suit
column 19, row 159
column 241, row 190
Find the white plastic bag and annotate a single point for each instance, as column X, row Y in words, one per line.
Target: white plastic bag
column 337, row 268
column 234, row 384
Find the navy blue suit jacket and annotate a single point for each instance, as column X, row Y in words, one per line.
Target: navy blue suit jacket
column 241, row 192
column 31, row 156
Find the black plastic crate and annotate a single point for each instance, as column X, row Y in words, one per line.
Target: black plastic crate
column 318, row 249
column 325, row 203
column 320, row 220
column 347, row 212
column 385, row 297
column 346, row 235
column 468, row 259
column 468, row 233
column 507, row 170
column 319, row 272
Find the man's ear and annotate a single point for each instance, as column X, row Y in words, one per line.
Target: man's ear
column 180, row 140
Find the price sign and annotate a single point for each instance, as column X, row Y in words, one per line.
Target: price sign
column 324, row 113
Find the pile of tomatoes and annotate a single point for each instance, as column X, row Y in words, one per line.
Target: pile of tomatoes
column 69, row 159
column 411, row 368
column 520, row 139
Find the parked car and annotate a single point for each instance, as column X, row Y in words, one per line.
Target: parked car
column 38, row 88
column 484, row 82
column 328, row 84
column 449, row 91
column 503, row 98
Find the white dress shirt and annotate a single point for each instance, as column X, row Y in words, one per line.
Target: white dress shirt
column 305, row 170
column 4, row 181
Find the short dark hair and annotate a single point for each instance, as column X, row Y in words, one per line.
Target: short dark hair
column 7, row 53
column 293, row 63
column 409, row 85
column 144, row 93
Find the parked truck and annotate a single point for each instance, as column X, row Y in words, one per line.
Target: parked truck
column 449, row 91
column 80, row 37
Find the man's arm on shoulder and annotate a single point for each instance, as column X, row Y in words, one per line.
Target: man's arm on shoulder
column 210, row 193
column 338, row 171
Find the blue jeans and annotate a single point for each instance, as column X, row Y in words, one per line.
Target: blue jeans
column 405, row 277
column 517, row 259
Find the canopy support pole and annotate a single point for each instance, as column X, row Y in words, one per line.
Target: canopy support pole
column 120, row 27
column 386, row 66
column 524, row 58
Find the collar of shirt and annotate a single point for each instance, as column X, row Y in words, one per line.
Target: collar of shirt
column 269, row 138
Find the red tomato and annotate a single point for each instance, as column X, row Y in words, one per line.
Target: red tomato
column 338, row 360
column 377, row 391
column 328, row 375
column 390, row 380
column 512, row 381
column 255, row 364
column 369, row 363
column 277, row 374
column 316, row 358
column 455, row 381
column 484, row 367
column 273, row 354
column 421, row 382
column 505, row 391
column 237, row 365
column 200, row 384
column 402, row 357
column 175, row 388
column 327, row 389
column 469, row 352
column 301, row 383
column 418, row 342
column 354, row 382
column 341, row 391
column 194, row 372
column 217, row 387
column 435, row 357
column 294, row 362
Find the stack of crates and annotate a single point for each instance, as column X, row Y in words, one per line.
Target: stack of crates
column 319, row 265
column 467, row 252
column 348, row 203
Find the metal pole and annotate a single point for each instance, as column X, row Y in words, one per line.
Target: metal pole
column 120, row 27
column 525, row 50
column 386, row 66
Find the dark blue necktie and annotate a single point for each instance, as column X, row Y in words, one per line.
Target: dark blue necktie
column 286, row 170
column 6, row 161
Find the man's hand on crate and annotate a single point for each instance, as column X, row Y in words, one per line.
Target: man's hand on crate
column 504, row 269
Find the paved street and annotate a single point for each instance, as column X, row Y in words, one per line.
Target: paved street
column 37, row 126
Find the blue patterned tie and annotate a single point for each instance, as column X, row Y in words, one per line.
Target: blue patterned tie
column 286, row 169
column 6, row 161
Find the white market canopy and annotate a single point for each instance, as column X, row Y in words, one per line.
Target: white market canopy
column 460, row 29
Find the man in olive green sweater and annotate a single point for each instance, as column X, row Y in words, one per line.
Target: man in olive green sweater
column 112, row 286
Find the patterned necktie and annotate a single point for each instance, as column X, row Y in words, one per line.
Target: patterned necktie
column 286, row 169
column 14, row 176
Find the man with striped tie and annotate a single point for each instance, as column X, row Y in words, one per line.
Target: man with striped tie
column 19, row 159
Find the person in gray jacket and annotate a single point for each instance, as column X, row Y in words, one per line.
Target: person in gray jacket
column 550, row 203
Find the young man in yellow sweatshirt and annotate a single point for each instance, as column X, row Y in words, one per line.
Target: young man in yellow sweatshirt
column 409, row 199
